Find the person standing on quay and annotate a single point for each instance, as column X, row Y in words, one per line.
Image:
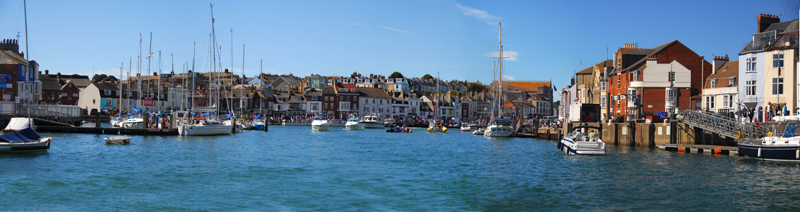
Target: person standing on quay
column 751, row 114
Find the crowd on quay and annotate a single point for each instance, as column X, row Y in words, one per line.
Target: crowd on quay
column 770, row 111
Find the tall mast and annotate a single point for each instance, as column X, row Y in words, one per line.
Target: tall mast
column 149, row 55
column 500, row 90
column 261, row 71
column 120, row 85
column 28, row 55
column 214, row 61
column 191, row 92
column 241, row 91
column 139, row 76
column 127, row 101
column 158, row 87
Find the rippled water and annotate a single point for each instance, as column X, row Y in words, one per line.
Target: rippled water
column 292, row 168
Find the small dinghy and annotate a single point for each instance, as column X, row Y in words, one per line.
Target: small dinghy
column 118, row 140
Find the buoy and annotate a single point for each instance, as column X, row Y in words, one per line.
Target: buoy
column 759, row 152
column 718, row 150
column 797, row 154
column 681, row 149
column 769, row 134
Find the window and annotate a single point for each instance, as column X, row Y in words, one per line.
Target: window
column 713, row 83
column 750, row 88
column 709, row 102
column 602, row 86
column 344, row 105
column 751, row 64
column 355, row 98
column 635, row 76
column 618, row 81
column 777, row 60
column 725, row 101
column 731, row 81
column 602, row 102
column 298, row 98
column 777, row 86
column 671, row 97
column 315, row 106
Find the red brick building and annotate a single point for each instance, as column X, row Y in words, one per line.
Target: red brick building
column 639, row 91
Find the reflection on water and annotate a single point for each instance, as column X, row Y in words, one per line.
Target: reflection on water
column 293, row 168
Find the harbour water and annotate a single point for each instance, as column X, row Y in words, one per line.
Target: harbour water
column 294, row 169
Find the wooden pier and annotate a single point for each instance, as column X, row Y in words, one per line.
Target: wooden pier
column 113, row 131
column 698, row 148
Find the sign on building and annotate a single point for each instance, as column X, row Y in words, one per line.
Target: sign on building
column 148, row 101
column 6, row 81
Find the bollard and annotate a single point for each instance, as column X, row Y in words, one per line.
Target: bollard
column 97, row 120
column 145, row 120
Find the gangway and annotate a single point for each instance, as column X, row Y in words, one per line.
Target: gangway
column 720, row 124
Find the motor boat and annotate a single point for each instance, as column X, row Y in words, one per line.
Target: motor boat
column 24, row 140
column 372, row 121
column 499, row 128
column 118, row 140
column 398, row 129
column 116, row 120
column 478, row 131
column 784, row 148
column 352, row 124
column 133, row 123
column 465, row 127
column 320, row 123
column 580, row 143
column 203, row 126
column 389, row 122
column 436, row 127
column 258, row 124
column 238, row 127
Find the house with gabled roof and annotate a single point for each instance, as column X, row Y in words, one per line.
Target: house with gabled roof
column 721, row 89
column 100, row 96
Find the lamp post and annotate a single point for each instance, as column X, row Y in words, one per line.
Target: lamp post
column 702, row 80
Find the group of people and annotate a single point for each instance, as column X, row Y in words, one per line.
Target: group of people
column 770, row 111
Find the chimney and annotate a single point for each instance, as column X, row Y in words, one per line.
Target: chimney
column 630, row 46
column 47, row 72
column 572, row 80
column 765, row 20
column 58, row 76
column 718, row 62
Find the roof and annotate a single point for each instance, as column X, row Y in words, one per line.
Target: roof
column 10, row 57
column 49, row 83
column 525, row 85
column 590, row 69
column 635, row 51
column 781, row 27
column 106, row 85
column 373, row 93
column 654, row 51
column 728, row 70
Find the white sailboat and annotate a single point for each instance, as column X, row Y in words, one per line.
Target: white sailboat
column 204, row 126
column 499, row 127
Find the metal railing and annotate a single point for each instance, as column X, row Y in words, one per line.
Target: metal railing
column 720, row 124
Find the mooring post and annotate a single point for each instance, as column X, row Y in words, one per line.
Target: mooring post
column 97, row 120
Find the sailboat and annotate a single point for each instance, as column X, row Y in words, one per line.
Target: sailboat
column 499, row 127
column 207, row 124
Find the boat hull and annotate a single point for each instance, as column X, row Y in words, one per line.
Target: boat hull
column 371, row 125
column 42, row 144
column 771, row 153
column 202, row 130
column 319, row 127
column 118, row 140
column 582, row 147
column 352, row 126
column 259, row 126
column 498, row 131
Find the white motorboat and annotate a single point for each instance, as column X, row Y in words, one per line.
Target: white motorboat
column 24, row 140
column 784, row 148
column 478, row 131
column 116, row 120
column 133, row 123
column 583, row 142
column 239, row 127
column 372, row 121
column 118, row 140
column 352, row 124
column 204, row 127
column 436, row 127
column 258, row 124
column 499, row 128
column 320, row 123
column 465, row 127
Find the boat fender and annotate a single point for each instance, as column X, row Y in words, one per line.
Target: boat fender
column 759, row 152
column 739, row 134
column 797, row 154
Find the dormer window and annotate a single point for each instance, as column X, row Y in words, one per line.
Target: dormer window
column 713, row 83
column 731, row 81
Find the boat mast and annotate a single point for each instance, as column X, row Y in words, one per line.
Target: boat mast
column 214, row 60
column 27, row 56
column 191, row 92
column 139, row 69
column 122, row 65
column 500, row 90
column 241, row 91
column 158, row 88
column 149, row 55
column 127, row 101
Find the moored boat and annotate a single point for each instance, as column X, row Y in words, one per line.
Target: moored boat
column 372, row 121
column 499, row 128
column 784, row 148
column 320, row 123
column 24, row 140
column 117, row 140
column 352, row 124
column 436, row 127
column 581, row 142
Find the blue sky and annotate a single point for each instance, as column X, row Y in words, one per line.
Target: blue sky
column 546, row 39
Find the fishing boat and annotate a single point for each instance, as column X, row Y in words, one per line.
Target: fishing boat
column 436, row 127
column 352, row 124
column 580, row 143
column 320, row 123
column 499, row 128
column 24, row 140
column 118, row 140
column 372, row 121
column 784, row 148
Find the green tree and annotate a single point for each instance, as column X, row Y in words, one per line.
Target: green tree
column 477, row 87
column 426, row 76
column 396, row 75
column 98, row 77
column 110, row 78
column 454, row 92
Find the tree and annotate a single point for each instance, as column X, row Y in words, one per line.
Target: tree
column 110, row 78
column 426, row 76
column 98, row 77
column 454, row 92
column 396, row 75
column 477, row 87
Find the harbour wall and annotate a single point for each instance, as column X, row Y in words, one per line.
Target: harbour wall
column 652, row 134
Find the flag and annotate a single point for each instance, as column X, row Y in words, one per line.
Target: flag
column 779, row 71
column 554, row 88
